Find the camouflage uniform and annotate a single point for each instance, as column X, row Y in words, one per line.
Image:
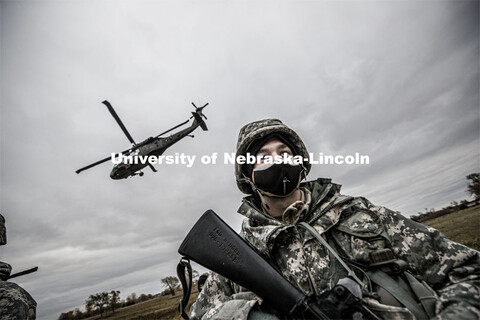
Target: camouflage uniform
column 15, row 302
column 356, row 229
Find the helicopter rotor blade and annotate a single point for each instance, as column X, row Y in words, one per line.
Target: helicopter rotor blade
column 93, row 165
column 120, row 123
column 201, row 108
column 181, row 124
column 106, row 159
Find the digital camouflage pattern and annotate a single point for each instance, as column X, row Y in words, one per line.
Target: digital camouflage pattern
column 15, row 302
column 355, row 228
column 257, row 130
column 3, row 231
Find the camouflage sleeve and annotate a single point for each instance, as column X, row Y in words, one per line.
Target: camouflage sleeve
column 222, row 299
column 451, row 269
column 16, row 303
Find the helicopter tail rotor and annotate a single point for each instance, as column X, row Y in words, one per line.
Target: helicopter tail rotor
column 199, row 110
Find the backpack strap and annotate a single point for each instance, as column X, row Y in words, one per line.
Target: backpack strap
column 186, row 288
column 317, row 236
column 390, row 285
column 424, row 293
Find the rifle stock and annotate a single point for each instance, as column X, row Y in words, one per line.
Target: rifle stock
column 214, row 245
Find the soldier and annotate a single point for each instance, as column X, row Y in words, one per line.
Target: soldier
column 15, row 302
column 405, row 269
column 201, row 281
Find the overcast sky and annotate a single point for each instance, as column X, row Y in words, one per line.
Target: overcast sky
column 395, row 80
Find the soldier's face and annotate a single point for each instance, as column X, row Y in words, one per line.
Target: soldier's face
column 273, row 148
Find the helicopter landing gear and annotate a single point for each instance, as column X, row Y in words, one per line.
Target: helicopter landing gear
column 140, row 173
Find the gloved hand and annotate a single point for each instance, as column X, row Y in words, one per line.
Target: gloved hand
column 5, row 270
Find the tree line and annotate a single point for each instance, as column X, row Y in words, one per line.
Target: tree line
column 103, row 302
column 473, row 189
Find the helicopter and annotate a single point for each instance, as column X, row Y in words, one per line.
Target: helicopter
column 152, row 146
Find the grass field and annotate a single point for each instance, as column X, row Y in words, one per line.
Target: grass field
column 158, row 308
column 462, row 226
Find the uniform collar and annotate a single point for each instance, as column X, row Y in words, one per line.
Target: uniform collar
column 297, row 209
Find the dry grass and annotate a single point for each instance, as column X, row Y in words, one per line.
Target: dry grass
column 156, row 309
column 462, row 226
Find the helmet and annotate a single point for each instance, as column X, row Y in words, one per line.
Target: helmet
column 257, row 130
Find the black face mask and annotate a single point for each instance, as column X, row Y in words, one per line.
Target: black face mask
column 278, row 179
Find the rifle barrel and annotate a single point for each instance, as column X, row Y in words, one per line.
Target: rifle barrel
column 21, row 273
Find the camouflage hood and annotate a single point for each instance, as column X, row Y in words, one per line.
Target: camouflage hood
column 258, row 130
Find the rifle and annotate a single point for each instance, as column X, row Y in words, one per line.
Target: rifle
column 21, row 273
column 214, row 245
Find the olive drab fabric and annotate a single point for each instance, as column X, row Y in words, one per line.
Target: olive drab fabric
column 258, row 130
column 366, row 236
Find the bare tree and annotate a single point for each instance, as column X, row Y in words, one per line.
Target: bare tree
column 132, row 299
column 170, row 282
column 474, row 185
